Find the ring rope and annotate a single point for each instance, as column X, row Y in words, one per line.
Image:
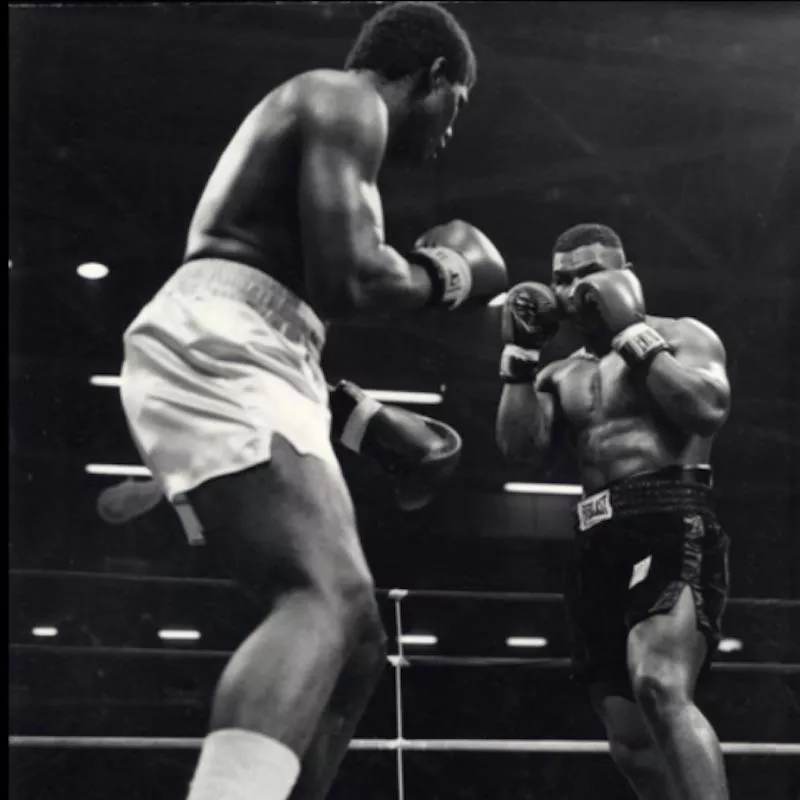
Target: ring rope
column 443, row 594
column 400, row 660
column 419, row 745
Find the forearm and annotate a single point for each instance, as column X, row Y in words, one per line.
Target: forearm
column 689, row 397
column 388, row 283
column 523, row 429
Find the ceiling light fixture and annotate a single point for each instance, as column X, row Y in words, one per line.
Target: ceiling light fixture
column 526, row 641
column 543, row 488
column 129, row 470
column 92, row 271
column 418, row 638
column 177, row 635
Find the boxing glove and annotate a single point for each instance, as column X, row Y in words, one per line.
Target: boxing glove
column 417, row 452
column 128, row 500
column 610, row 306
column 530, row 318
column 465, row 268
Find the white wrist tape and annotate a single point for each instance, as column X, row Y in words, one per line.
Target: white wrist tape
column 518, row 365
column 455, row 274
column 638, row 341
column 357, row 422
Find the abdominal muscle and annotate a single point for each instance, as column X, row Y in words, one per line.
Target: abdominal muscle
column 610, row 450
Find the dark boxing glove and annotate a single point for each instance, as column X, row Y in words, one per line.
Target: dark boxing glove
column 610, row 305
column 465, row 268
column 530, row 318
column 125, row 501
column 417, row 452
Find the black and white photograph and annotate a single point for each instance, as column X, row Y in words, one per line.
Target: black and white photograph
column 403, row 400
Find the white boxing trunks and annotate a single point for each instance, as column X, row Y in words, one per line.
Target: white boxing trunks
column 222, row 358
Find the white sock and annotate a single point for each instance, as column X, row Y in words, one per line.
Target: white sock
column 243, row 765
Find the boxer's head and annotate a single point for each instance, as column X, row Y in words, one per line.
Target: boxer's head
column 425, row 61
column 580, row 251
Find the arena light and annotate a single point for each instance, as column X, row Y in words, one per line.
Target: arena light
column 45, row 631
column 92, row 271
column 418, row 639
column 125, row 470
column 178, row 635
column 526, row 641
column 730, row 645
column 412, row 398
column 544, row 488
column 105, row 380
column 498, row 300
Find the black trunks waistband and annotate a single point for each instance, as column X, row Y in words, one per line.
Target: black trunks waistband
column 675, row 488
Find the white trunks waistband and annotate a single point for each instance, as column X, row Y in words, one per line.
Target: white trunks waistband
column 272, row 301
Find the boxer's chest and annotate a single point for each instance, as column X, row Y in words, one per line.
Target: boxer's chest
column 595, row 390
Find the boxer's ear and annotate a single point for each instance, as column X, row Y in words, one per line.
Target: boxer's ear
column 430, row 79
column 438, row 72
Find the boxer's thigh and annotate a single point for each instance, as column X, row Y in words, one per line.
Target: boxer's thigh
column 285, row 523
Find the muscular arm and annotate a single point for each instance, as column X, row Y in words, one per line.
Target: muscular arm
column 691, row 386
column 350, row 269
column 526, row 420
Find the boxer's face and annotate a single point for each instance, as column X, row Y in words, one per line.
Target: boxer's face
column 432, row 114
column 564, row 280
column 571, row 267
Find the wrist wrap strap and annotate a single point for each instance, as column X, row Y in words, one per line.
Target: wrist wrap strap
column 450, row 274
column 354, row 428
column 639, row 343
column 518, row 365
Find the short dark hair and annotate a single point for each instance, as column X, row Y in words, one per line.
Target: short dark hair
column 585, row 234
column 405, row 37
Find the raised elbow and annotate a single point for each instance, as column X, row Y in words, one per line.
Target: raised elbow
column 342, row 296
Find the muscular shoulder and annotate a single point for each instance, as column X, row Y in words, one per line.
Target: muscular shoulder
column 547, row 376
column 340, row 108
column 691, row 334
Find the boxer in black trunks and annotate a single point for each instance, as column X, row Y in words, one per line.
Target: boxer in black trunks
column 227, row 403
column 638, row 407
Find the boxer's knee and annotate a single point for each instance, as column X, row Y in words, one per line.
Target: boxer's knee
column 349, row 605
column 367, row 660
column 660, row 691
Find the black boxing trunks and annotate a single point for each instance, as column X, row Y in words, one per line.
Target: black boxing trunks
column 639, row 542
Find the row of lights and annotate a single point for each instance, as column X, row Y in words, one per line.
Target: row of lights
column 727, row 645
column 133, row 471
column 385, row 396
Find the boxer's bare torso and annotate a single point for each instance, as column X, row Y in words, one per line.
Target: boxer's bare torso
column 615, row 429
column 250, row 210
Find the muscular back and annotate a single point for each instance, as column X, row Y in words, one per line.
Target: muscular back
column 250, row 208
column 615, row 427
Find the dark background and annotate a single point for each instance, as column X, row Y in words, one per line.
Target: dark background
column 676, row 123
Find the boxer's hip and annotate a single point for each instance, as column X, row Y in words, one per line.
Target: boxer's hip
column 672, row 490
column 210, row 303
column 640, row 540
column 220, row 359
